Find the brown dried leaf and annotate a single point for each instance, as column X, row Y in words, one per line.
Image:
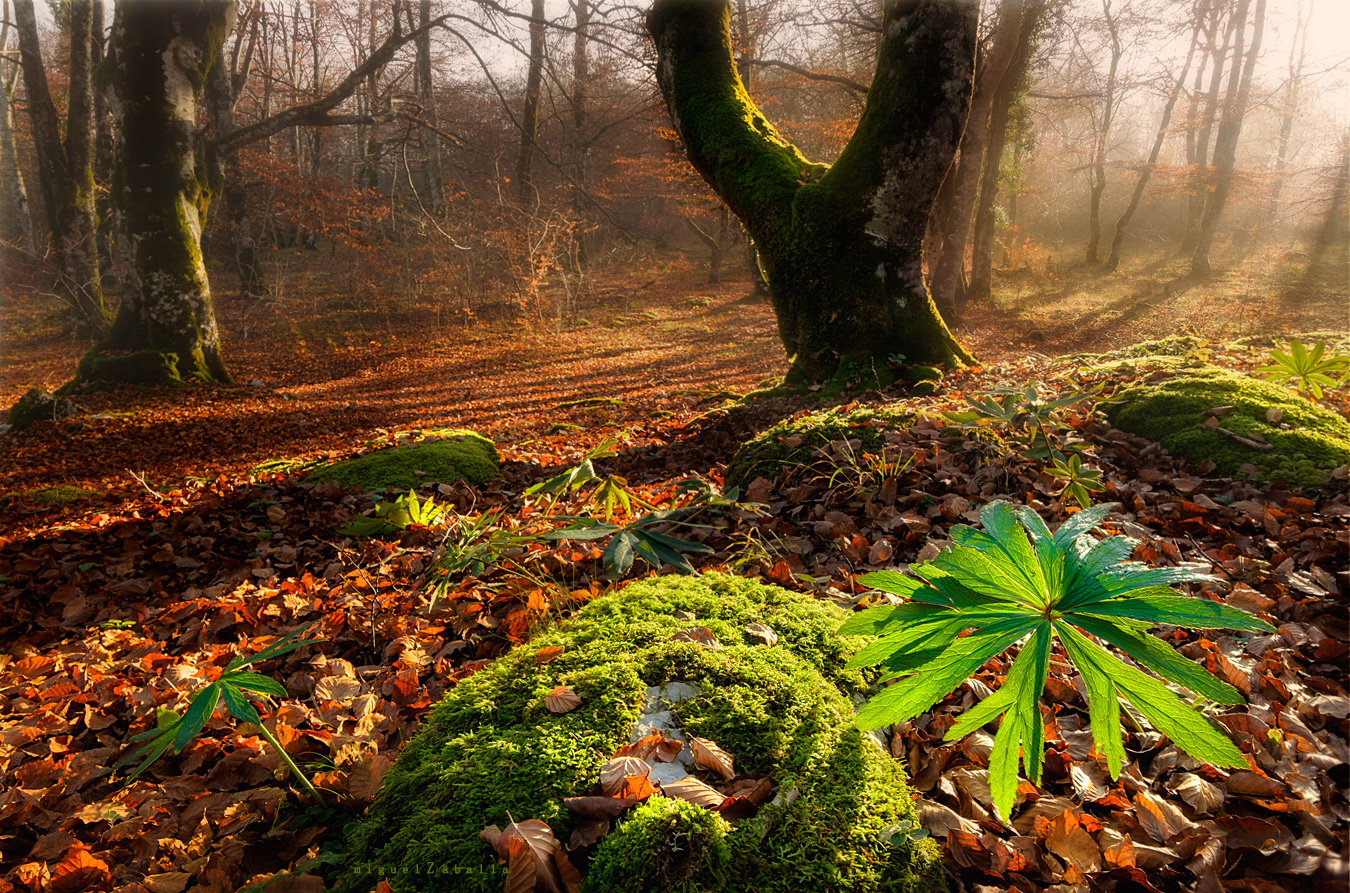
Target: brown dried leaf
column 667, row 749
column 1202, row 796
column 548, row 653
column 363, row 782
column 1160, row 819
column 337, row 688
column 754, row 788
column 763, row 632
column 699, row 635
column 1065, row 837
column 709, row 756
column 78, row 870
column 1089, row 782
column 561, row 699
column 696, row 792
column 588, row 834
column 168, row 882
column 614, row 774
column 638, row 787
column 529, row 847
column 1251, row 784
column 941, row 821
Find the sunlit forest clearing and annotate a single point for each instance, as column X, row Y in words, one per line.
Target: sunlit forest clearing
column 711, row 446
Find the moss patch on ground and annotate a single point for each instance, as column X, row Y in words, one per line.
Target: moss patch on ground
column 1309, row 441
column 793, row 441
column 51, row 497
column 492, row 748
column 445, row 457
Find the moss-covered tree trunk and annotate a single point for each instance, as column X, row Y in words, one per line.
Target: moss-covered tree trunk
column 165, row 328
column 840, row 246
column 66, row 171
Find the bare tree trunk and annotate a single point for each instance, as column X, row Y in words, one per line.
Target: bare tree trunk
column 432, row 175
column 1195, row 210
column 842, row 245
column 1123, row 223
column 220, row 100
column 526, row 194
column 581, row 76
column 65, row 172
column 1298, row 55
column 1225, row 144
column 103, row 158
column 20, row 224
column 165, row 330
column 949, row 272
column 1097, row 179
column 758, row 283
column 1010, row 86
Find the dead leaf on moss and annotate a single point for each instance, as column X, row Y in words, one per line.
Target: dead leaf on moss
column 561, row 700
column 614, row 774
column 709, row 756
column 763, row 632
column 699, row 635
column 696, row 792
column 547, row 654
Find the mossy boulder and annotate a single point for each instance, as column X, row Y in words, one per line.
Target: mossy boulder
column 794, row 441
column 1308, row 441
column 445, row 456
column 39, row 406
column 491, row 751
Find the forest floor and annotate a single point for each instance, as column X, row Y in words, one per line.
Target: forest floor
column 182, row 553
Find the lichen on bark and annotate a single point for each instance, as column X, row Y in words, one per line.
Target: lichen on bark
column 161, row 187
column 840, row 245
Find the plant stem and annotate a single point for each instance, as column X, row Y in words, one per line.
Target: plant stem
column 295, row 770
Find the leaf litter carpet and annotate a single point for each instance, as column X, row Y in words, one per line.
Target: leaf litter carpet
column 131, row 600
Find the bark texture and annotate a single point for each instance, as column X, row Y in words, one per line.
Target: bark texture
column 65, row 170
column 949, row 270
column 841, row 246
column 529, row 118
column 19, row 225
column 165, row 328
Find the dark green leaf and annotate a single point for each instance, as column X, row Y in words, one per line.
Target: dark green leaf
column 238, row 705
column 198, row 712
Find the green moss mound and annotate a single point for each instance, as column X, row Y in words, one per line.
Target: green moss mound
column 793, row 441
column 1309, row 441
column 663, row 845
column 449, row 455
column 492, row 748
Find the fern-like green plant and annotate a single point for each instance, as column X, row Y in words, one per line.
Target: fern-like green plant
column 398, row 514
column 1078, row 481
column 1307, row 370
column 997, row 587
column 236, row 687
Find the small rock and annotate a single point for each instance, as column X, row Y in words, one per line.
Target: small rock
column 257, row 383
column 666, row 773
column 40, row 406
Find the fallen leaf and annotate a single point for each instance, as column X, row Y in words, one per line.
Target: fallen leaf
column 709, row 756
column 695, row 791
column 548, row 653
column 614, row 774
column 78, row 870
column 699, row 635
column 599, row 808
column 1065, row 837
column 763, row 632
column 1202, row 796
column 561, row 700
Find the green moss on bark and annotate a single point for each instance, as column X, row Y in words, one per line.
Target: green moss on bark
column 1309, row 441
column 492, row 748
column 840, row 246
column 147, row 367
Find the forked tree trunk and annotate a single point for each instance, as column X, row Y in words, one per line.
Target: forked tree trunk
column 841, row 246
column 1225, row 144
column 165, row 328
column 948, row 279
column 66, row 172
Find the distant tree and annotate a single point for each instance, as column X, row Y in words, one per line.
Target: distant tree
column 19, row 223
column 66, row 168
column 1230, row 129
column 840, row 245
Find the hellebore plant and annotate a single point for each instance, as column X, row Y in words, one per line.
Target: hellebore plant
column 995, row 588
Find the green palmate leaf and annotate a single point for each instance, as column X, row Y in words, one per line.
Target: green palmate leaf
column 1188, row 729
column 996, row 587
column 238, row 705
column 885, row 619
column 911, row 696
column 198, row 712
column 619, row 554
column 893, row 582
column 1178, row 611
column 1156, row 656
column 263, row 685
